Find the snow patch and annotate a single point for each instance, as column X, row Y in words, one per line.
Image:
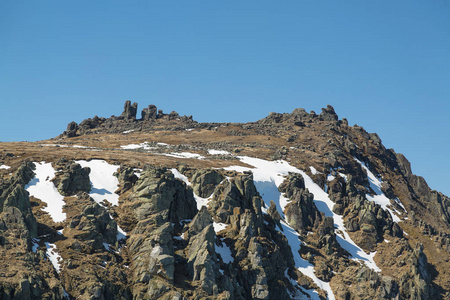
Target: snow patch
column 343, row 176
column 103, row 182
column 4, row 167
column 128, row 131
column 219, row 227
column 42, row 188
column 180, row 176
column 379, row 197
column 330, row 177
column 314, row 171
column 218, row 152
column 121, row 234
column 53, row 256
column 143, row 145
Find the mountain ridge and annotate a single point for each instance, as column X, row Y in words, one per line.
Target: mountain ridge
column 345, row 192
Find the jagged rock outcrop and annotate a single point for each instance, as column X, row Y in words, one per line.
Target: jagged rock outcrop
column 239, row 192
column 201, row 259
column 158, row 199
column 71, row 178
column 204, row 182
column 91, row 266
column 95, row 226
column 201, row 220
column 129, row 110
column 25, row 274
column 151, row 119
column 301, row 212
column 149, row 113
column 127, row 178
column 71, row 130
column 328, row 114
column 238, row 244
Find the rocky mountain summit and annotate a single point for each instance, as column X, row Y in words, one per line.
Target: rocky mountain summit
column 293, row 206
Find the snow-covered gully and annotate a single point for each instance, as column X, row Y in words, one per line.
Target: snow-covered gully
column 42, row 188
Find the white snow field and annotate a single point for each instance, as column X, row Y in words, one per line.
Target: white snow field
column 103, row 182
column 379, row 197
column 4, row 167
column 42, row 188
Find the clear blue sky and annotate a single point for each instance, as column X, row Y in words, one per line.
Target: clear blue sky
column 384, row 65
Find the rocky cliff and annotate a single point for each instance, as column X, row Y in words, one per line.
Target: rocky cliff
column 294, row 206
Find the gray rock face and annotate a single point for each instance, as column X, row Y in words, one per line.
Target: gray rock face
column 238, row 192
column 157, row 191
column 129, row 110
column 273, row 213
column 95, row 225
column 127, row 178
column 149, row 113
column 13, row 194
column 158, row 201
column 205, row 181
column 328, row 114
column 73, row 179
column 201, row 258
column 71, row 130
column 20, row 279
column 261, row 252
column 199, row 222
column 301, row 212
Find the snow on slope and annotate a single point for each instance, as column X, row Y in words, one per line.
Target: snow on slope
column 268, row 175
column 53, row 256
column 218, row 152
column 223, row 250
column 144, row 146
column 4, row 167
column 379, row 197
column 42, row 188
column 103, row 185
column 103, row 182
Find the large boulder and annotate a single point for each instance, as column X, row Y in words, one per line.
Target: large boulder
column 328, row 114
column 73, row 179
column 71, row 130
